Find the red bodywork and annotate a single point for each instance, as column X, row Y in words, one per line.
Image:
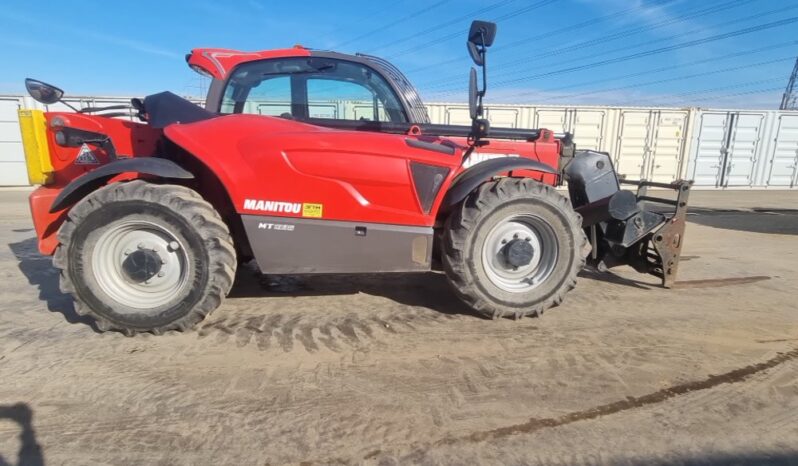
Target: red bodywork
column 219, row 62
column 353, row 175
column 130, row 139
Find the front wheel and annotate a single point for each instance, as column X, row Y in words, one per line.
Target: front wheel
column 142, row 257
column 513, row 248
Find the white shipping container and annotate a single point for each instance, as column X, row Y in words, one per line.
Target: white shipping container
column 644, row 143
column 716, row 148
column 730, row 148
column 13, row 171
column 782, row 166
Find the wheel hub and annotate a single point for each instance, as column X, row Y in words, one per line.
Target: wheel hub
column 142, row 265
column 518, row 252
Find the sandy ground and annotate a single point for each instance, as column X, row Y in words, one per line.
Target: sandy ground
column 393, row 370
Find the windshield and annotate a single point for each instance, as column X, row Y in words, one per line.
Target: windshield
column 303, row 88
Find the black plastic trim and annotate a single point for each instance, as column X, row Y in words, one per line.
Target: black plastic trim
column 90, row 181
column 427, row 129
column 165, row 108
column 479, row 173
column 435, row 147
column 427, row 180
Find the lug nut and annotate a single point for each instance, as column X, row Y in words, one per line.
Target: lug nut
column 515, row 236
column 141, row 246
column 527, row 239
column 127, row 252
column 174, row 245
column 504, row 241
column 161, row 273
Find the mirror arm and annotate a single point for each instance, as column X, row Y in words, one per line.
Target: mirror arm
column 69, row 105
column 483, row 56
column 472, row 145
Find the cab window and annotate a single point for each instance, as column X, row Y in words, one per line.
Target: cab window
column 271, row 96
column 310, row 88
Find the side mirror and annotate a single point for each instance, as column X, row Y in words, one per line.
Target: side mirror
column 473, row 105
column 480, row 36
column 43, row 92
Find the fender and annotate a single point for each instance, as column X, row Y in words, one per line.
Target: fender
column 467, row 181
column 90, row 181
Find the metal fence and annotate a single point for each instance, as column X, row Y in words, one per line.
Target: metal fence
column 716, row 148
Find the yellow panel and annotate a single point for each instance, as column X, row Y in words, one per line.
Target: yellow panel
column 34, row 139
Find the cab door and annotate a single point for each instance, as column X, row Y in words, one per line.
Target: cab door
column 334, row 200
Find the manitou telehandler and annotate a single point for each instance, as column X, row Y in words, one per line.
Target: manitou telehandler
column 316, row 162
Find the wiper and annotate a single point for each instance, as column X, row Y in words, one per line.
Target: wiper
column 313, row 70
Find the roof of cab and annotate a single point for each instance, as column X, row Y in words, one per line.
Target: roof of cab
column 218, row 62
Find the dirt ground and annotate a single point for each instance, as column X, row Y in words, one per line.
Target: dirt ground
column 393, row 370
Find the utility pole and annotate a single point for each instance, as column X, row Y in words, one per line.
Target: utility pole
column 790, row 99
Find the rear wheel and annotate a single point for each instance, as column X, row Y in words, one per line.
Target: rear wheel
column 513, row 248
column 141, row 257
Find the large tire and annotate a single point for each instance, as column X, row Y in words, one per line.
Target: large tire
column 487, row 262
column 144, row 257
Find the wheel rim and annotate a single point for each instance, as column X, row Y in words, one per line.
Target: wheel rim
column 140, row 264
column 520, row 253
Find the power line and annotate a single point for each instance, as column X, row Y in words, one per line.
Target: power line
column 738, row 94
column 724, row 6
column 498, row 19
column 722, row 96
column 682, row 95
column 570, row 29
column 438, row 27
column 376, row 13
column 667, row 68
column 662, row 81
column 392, row 23
column 692, row 43
column 668, row 22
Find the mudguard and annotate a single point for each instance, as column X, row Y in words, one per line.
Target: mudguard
column 476, row 175
column 90, row 181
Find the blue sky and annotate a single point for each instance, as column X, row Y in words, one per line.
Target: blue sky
column 604, row 52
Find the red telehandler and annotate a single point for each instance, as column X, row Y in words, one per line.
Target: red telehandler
column 319, row 162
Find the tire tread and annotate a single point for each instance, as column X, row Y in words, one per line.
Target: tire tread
column 466, row 216
column 190, row 204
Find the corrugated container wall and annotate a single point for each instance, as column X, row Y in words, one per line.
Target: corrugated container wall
column 745, row 149
column 716, row 148
column 648, row 143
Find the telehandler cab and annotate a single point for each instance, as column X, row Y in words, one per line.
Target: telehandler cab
column 315, row 162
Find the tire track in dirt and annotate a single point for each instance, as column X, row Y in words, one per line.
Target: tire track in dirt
column 535, row 424
column 333, row 333
column 735, row 376
column 280, row 312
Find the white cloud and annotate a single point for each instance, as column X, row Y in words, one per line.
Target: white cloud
column 132, row 44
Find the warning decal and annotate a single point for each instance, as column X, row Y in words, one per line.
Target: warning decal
column 86, row 156
column 312, row 210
